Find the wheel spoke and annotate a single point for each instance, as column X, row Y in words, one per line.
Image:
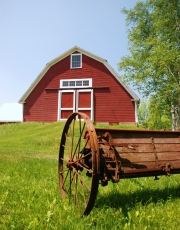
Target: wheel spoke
column 88, row 154
column 79, row 141
column 72, row 136
column 76, row 198
column 83, row 194
column 80, row 134
column 69, row 189
column 81, row 179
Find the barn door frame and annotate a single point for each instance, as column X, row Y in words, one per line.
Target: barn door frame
column 60, row 109
column 75, row 108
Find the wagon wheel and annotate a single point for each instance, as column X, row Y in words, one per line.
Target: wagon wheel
column 78, row 163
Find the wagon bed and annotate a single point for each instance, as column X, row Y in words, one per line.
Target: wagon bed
column 141, row 152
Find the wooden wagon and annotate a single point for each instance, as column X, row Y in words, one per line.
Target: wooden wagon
column 91, row 156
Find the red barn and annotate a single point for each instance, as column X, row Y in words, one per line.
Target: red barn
column 80, row 81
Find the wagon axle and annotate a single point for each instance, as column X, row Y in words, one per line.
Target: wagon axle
column 74, row 165
column 89, row 157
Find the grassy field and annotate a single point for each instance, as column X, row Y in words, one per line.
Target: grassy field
column 29, row 193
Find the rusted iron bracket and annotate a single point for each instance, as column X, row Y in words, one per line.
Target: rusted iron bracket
column 111, row 168
column 112, row 162
column 166, row 167
column 117, row 168
column 155, row 152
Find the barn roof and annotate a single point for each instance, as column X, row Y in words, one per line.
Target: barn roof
column 64, row 55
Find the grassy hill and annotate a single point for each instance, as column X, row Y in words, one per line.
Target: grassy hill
column 29, row 193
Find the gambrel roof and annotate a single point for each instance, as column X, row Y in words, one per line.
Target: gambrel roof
column 64, row 55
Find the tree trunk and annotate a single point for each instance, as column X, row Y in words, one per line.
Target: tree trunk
column 175, row 117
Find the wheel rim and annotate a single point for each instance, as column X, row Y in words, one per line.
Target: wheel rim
column 78, row 167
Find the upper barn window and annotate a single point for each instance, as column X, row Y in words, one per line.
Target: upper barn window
column 76, row 83
column 76, row 61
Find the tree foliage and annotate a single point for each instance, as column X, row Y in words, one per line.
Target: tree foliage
column 154, row 45
column 153, row 115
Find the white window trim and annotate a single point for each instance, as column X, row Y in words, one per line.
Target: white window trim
column 79, row 54
column 84, row 79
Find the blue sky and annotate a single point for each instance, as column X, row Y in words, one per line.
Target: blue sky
column 37, row 31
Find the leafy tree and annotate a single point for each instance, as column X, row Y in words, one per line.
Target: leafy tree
column 152, row 115
column 143, row 113
column 154, row 45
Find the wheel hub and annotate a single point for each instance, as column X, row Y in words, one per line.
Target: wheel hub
column 74, row 164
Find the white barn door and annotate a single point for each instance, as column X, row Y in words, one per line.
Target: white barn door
column 66, row 104
column 75, row 100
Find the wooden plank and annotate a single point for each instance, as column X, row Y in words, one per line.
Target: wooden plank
column 132, row 148
column 149, row 165
column 174, row 164
column 166, row 140
column 169, row 156
column 137, row 157
column 167, row 147
column 118, row 141
column 67, row 100
column 65, row 113
column 84, row 100
column 138, row 165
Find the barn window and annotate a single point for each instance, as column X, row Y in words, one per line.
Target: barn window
column 78, row 83
column 65, row 83
column 85, row 83
column 76, row 61
column 71, row 83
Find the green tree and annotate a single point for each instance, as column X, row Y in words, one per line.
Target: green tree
column 153, row 115
column 154, row 45
column 143, row 112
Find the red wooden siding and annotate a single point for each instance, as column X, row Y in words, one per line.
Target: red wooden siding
column 110, row 105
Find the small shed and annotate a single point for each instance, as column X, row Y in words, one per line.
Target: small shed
column 11, row 113
column 80, row 81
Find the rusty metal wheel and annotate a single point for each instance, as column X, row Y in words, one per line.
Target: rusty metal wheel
column 78, row 163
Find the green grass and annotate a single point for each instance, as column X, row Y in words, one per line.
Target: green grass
column 29, row 193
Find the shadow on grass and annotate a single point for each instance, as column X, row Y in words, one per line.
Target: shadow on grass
column 116, row 199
